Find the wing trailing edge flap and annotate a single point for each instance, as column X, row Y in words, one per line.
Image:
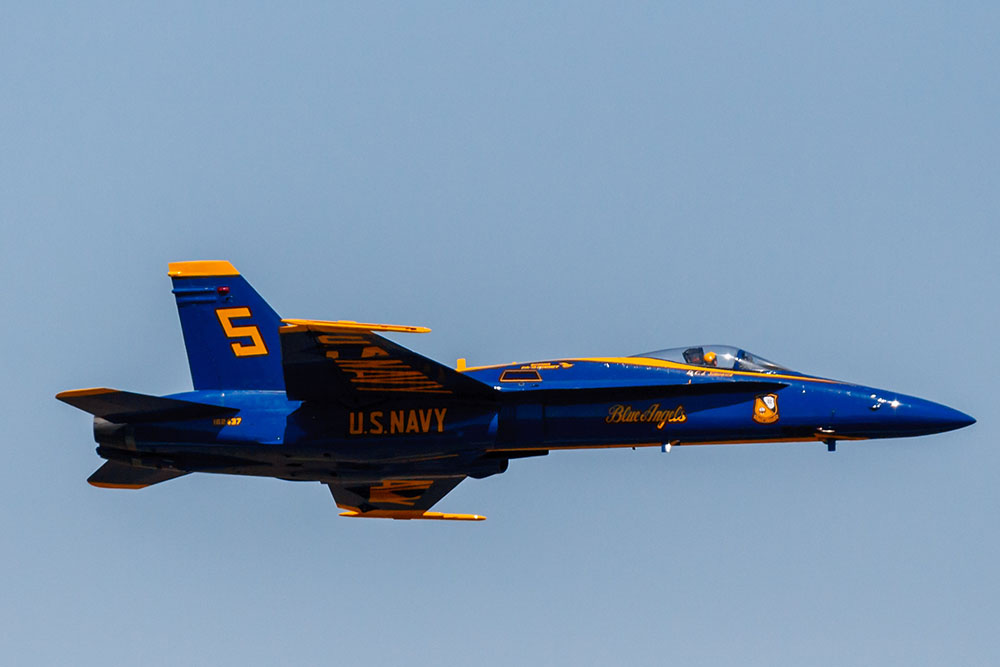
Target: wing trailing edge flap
column 117, row 475
column 328, row 361
column 396, row 498
column 125, row 406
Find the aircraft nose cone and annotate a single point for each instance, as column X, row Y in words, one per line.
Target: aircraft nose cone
column 950, row 419
column 927, row 417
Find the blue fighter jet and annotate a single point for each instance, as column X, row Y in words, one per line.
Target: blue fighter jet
column 390, row 432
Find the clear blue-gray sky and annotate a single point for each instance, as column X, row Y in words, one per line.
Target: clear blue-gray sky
column 815, row 183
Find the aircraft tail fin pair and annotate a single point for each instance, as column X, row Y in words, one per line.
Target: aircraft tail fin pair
column 231, row 337
column 235, row 340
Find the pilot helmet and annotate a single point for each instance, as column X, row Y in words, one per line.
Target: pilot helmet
column 709, row 358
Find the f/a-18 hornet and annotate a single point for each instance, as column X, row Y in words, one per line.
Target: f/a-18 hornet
column 390, row 432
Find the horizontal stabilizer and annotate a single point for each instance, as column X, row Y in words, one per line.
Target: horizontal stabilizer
column 125, row 406
column 116, row 475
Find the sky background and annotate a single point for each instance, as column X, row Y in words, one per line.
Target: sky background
column 817, row 184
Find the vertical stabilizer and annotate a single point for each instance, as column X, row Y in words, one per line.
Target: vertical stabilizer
column 230, row 332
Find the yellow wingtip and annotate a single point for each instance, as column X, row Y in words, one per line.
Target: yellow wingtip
column 413, row 514
column 107, row 485
column 348, row 325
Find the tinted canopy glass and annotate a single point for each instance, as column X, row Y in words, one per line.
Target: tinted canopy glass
column 725, row 357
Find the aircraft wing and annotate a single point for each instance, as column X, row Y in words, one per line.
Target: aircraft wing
column 396, row 498
column 326, row 361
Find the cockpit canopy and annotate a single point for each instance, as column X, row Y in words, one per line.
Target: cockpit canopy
column 725, row 357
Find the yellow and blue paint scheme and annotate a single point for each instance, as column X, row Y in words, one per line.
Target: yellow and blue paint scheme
column 390, row 431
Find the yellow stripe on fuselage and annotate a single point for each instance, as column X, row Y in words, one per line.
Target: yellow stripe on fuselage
column 649, row 362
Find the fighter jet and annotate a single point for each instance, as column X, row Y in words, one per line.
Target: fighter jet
column 390, row 432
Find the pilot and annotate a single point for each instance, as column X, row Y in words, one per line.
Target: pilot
column 710, row 359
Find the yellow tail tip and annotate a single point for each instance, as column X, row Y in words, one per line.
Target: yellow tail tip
column 201, row 269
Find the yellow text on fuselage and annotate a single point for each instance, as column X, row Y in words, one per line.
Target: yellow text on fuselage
column 626, row 414
column 397, row 422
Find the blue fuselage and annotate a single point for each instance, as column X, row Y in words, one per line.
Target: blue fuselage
column 562, row 404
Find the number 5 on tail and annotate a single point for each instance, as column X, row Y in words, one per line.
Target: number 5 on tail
column 226, row 315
